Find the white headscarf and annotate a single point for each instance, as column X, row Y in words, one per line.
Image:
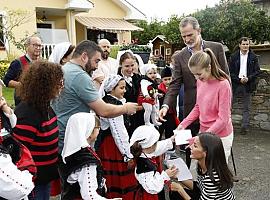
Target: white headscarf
column 147, row 135
column 59, row 51
column 79, row 128
column 147, row 67
column 108, row 84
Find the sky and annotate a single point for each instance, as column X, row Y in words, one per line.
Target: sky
column 163, row 9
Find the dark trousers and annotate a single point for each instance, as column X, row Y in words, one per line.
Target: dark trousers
column 246, row 102
column 195, row 127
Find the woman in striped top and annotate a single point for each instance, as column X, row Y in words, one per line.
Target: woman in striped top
column 37, row 125
column 215, row 181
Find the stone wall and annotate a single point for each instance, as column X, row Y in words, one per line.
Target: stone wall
column 260, row 108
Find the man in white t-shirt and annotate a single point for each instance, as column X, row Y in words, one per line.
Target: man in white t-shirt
column 107, row 65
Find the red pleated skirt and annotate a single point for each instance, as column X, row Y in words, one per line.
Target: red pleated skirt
column 141, row 194
column 120, row 180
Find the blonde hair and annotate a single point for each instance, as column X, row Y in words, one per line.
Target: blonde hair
column 207, row 58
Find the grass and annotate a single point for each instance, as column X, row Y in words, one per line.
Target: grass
column 8, row 94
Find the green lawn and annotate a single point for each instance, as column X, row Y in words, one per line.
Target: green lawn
column 8, row 94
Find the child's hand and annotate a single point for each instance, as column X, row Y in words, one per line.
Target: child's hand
column 117, row 198
column 131, row 164
column 147, row 97
column 172, row 171
column 4, row 106
column 173, row 138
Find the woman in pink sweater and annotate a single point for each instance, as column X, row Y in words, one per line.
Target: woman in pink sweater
column 213, row 102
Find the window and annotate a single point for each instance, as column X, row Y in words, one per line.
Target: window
column 168, row 51
column 156, row 52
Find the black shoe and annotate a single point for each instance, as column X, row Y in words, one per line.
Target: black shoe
column 244, row 131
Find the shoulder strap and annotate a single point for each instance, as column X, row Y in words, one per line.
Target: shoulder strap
column 24, row 62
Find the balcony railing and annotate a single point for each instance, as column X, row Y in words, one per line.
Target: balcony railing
column 46, row 50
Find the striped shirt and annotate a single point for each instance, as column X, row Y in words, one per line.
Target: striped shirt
column 40, row 135
column 210, row 190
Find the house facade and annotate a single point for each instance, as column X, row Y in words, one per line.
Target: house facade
column 73, row 20
column 161, row 48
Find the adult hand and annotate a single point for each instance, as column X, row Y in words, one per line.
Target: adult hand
column 131, row 108
column 162, row 113
column 175, row 186
column 180, row 127
column 172, row 171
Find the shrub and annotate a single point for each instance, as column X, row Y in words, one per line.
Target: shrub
column 3, row 68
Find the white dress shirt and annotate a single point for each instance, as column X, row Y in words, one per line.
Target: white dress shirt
column 243, row 65
column 105, row 68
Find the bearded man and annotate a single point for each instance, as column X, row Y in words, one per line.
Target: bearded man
column 107, row 65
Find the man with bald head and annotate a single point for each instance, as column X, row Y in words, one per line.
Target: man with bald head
column 107, row 65
column 33, row 49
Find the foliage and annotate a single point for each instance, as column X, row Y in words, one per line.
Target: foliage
column 12, row 20
column 3, row 68
column 136, row 48
column 171, row 30
column 8, row 94
column 151, row 30
column 225, row 23
column 114, row 51
column 231, row 20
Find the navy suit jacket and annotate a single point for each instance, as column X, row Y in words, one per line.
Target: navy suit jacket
column 253, row 70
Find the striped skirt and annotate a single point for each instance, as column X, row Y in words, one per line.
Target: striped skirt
column 120, row 180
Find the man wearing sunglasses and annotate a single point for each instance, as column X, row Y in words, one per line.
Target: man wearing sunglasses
column 33, row 49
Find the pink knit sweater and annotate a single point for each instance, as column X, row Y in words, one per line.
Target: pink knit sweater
column 213, row 107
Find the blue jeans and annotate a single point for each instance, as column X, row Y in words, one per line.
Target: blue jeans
column 40, row 192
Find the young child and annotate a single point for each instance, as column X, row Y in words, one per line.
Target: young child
column 145, row 147
column 112, row 144
column 148, row 94
column 81, row 170
column 172, row 121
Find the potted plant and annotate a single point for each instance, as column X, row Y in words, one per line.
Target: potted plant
column 142, row 50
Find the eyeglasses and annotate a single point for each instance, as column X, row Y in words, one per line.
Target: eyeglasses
column 37, row 46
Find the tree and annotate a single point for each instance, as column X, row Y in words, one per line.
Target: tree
column 151, row 30
column 10, row 20
column 172, row 33
column 231, row 20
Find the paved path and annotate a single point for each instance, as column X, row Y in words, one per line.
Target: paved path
column 252, row 157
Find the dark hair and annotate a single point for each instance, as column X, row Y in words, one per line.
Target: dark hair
column 40, row 84
column 136, row 150
column 215, row 160
column 87, row 46
column 243, row 39
column 69, row 51
column 205, row 59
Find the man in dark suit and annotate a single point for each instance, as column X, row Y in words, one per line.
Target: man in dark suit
column 191, row 34
column 244, row 69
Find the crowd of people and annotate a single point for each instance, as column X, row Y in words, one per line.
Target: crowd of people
column 88, row 126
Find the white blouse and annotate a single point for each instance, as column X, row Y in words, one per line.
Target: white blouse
column 153, row 182
column 119, row 133
column 86, row 177
column 14, row 184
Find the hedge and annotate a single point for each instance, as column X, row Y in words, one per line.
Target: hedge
column 3, row 68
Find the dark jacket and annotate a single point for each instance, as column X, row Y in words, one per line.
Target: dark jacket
column 253, row 70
